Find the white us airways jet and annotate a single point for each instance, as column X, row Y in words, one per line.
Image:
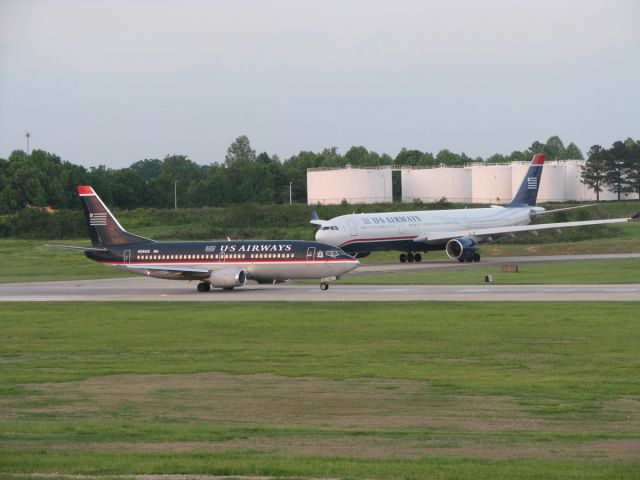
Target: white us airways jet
column 458, row 232
column 224, row 265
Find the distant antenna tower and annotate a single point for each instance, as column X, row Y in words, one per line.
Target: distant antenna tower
column 28, row 135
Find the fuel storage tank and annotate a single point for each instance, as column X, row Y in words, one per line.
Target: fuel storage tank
column 355, row 185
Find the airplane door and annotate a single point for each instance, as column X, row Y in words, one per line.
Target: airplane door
column 311, row 254
column 352, row 228
column 126, row 257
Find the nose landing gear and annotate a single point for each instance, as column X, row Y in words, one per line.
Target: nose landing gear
column 324, row 286
column 204, row 287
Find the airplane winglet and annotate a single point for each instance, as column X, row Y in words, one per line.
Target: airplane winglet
column 315, row 220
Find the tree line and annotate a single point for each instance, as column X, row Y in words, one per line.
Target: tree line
column 44, row 179
column 616, row 169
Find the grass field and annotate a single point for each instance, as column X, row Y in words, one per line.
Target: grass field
column 392, row 390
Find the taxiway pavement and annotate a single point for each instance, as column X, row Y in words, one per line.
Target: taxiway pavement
column 149, row 289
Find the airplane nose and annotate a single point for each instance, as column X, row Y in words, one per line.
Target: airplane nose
column 320, row 236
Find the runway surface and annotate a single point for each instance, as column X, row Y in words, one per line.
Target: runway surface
column 149, row 289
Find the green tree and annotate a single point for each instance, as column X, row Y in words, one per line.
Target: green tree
column 497, row 158
column 632, row 166
column 572, row 152
column 554, row 148
column 593, row 173
column 411, row 157
column 446, row 157
column 149, row 168
column 615, row 159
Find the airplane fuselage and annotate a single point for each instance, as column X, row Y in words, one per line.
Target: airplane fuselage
column 262, row 260
column 366, row 232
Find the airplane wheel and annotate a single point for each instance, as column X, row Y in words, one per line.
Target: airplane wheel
column 410, row 257
column 403, row 257
column 324, row 286
column 476, row 257
column 204, row 287
column 469, row 259
column 417, row 257
column 461, row 260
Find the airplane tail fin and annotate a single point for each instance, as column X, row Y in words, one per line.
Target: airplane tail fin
column 528, row 191
column 104, row 229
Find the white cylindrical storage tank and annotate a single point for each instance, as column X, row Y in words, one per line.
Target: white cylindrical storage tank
column 552, row 183
column 432, row 184
column 491, row 183
column 354, row 185
column 574, row 188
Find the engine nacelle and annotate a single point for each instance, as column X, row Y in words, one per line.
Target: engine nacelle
column 228, row 278
column 461, row 248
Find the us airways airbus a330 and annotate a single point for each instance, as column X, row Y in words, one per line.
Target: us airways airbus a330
column 226, row 264
column 458, row 232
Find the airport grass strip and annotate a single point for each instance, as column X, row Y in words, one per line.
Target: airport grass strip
column 412, row 390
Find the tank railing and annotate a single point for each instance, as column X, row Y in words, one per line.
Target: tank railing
column 442, row 165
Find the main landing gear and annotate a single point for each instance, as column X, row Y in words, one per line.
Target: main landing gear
column 472, row 258
column 324, row 286
column 204, row 287
column 410, row 257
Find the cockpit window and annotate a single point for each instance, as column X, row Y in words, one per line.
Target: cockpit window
column 332, row 253
column 329, row 227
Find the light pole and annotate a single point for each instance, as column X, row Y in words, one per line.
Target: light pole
column 175, row 195
column 28, row 135
column 290, row 184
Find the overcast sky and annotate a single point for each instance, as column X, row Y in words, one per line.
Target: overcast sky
column 112, row 82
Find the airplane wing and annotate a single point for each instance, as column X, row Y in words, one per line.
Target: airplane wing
column 315, row 220
column 178, row 273
column 485, row 232
column 82, row 249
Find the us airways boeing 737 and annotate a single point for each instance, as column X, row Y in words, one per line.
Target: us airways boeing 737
column 223, row 265
column 458, row 232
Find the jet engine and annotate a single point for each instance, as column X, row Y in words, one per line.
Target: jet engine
column 228, row 278
column 463, row 249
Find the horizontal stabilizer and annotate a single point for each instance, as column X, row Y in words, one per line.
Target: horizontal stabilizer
column 82, row 249
column 315, row 220
column 545, row 212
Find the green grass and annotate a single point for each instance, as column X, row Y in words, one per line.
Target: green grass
column 81, row 392
column 581, row 272
column 31, row 261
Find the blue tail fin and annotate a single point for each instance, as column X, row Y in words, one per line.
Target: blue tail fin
column 104, row 229
column 528, row 191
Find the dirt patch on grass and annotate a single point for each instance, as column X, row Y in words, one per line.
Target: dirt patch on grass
column 311, row 416
column 272, row 400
